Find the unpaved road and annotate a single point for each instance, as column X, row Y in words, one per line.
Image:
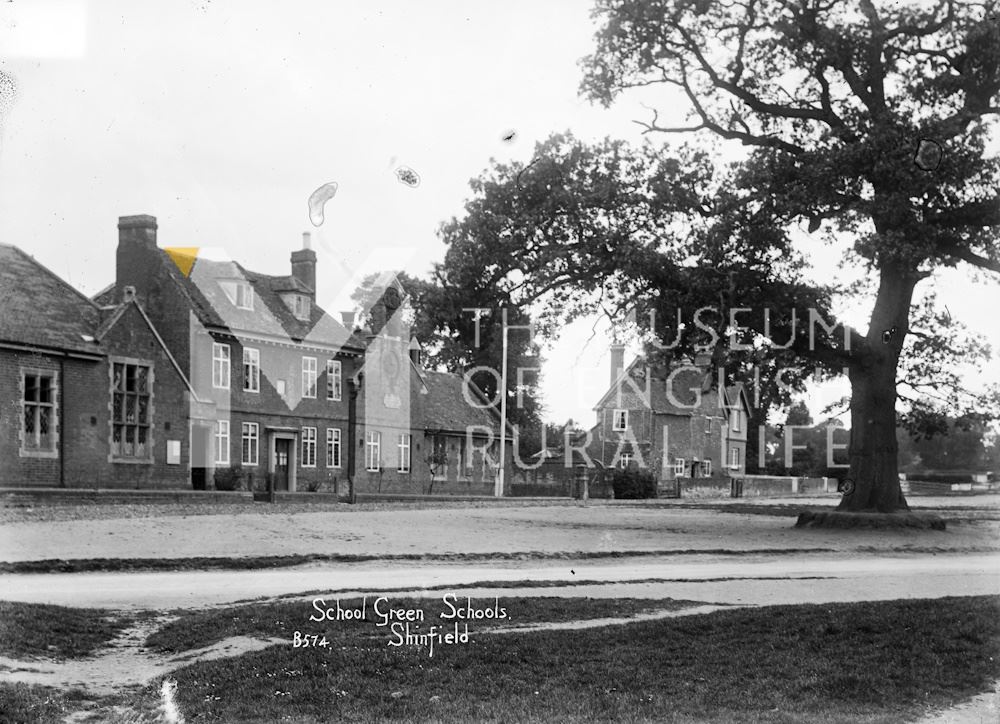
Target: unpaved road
column 753, row 580
column 974, row 525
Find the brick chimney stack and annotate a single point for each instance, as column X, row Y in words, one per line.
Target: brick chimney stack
column 140, row 228
column 617, row 361
column 304, row 264
column 136, row 258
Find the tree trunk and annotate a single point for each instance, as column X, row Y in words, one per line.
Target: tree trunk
column 873, row 478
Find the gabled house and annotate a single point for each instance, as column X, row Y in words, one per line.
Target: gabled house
column 93, row 396
column 191, row 371
column 267, row 363
column 671, row 421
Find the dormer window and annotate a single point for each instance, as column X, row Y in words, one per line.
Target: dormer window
column 299, row 306
column 240, row 294
column 244, row 296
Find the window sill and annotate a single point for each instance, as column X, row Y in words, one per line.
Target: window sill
column 30, row 453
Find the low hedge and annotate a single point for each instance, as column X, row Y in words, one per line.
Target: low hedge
column 633, row 484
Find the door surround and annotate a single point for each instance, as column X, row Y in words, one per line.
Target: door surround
column 292, row 435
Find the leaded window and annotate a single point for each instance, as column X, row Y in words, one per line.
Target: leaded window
column 131, row 390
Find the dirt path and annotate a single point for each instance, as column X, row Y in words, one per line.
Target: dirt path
column 124, row 663
column 752, row 579
column 522, row 529
column 982, row 709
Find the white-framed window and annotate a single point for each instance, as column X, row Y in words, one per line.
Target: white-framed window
column 300, row 307
column 251, row 443
column 308, row 447
column 333, row 447
column 619, row 420
column 679, row 468
column 239, row 293
column 309, row 377
column 131, row 410
column 734, row 457
column 404, row 453
column 465, row 456
column 624, row 460
column 251, row 369
column 333, row 380
column 708, row 425
column 736, row 420
column 373, row 451
column 222, row 442
column 220, row 366
column 39, row 407
column 244, row 296
column 706, row 468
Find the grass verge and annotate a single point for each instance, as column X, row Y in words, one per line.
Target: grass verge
column 874, row 662
column 282, row 618
column 27, row 704
column 58, row 632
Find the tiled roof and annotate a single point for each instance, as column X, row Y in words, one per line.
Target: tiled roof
column 40, row 309
column 105, row 297
column 686, row 385
column 444, row 407
column 270, row 314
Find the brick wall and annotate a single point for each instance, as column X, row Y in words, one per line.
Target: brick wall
column 131, row 338
column 77, row 399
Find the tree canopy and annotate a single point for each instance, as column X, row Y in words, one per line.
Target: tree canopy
column 861, row 120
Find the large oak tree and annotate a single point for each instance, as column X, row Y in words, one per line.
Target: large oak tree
column 862, row 119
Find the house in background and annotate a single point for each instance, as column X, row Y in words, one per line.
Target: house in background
column 671, row 421
column 93, row 397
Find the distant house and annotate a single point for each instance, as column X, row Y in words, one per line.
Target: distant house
column 93, row 397
column 671, row 421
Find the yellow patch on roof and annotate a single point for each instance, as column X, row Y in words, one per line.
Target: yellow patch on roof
column 183, row 257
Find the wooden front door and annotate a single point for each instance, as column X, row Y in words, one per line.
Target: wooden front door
column 281, row 463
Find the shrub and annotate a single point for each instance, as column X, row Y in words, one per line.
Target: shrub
column 230, row 478
column 633, row 484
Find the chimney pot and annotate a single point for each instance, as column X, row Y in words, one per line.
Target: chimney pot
column 306, row 240
column 129, row 295
column 139, row 228
column 348, row 318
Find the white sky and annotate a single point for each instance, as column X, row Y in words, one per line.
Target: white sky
column 221, row 118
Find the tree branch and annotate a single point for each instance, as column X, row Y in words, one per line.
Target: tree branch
column 965, row 254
